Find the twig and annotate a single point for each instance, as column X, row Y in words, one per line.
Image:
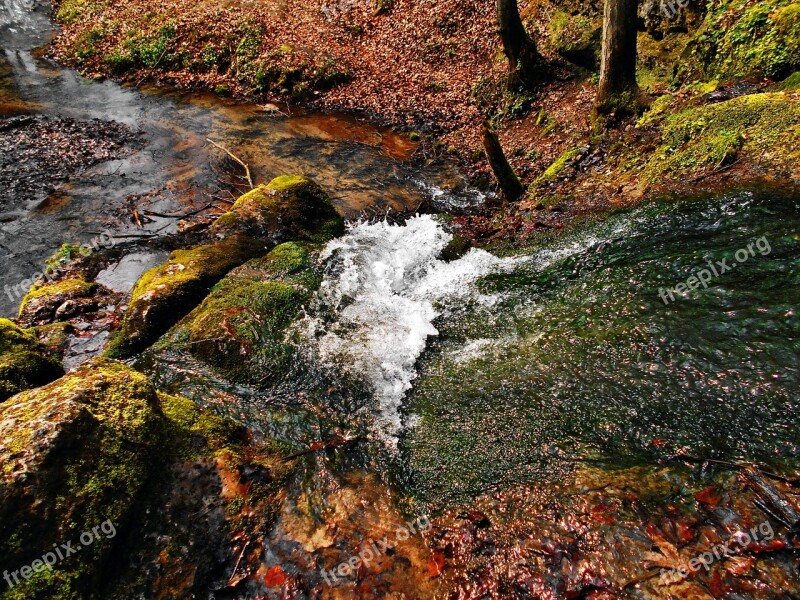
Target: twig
column 715, row 171
column 236, row 158
column 169, row 216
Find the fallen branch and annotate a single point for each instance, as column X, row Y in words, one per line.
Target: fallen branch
column 235, row 158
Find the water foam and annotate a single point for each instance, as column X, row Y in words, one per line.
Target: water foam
column 384, row 287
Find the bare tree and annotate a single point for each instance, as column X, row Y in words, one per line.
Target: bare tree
column 509, row 183
column 618, row 88
column 524, row 60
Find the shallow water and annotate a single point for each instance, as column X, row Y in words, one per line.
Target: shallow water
column 363, row 167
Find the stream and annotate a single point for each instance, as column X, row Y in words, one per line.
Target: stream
column 363, row 167
column 671, row 327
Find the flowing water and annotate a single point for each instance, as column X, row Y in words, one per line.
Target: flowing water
column 484, row 372
column 363, row 167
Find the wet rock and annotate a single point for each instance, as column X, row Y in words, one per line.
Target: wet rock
column 289, row 208
column 239, row 329
column 24, row 362
column 174, row 495
column 166, row 293
column 42, row 303
column 73, row 454
column 456, row 248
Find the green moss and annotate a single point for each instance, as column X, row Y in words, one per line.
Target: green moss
column 557, row 167
column 187, row 425
column 83, row 447
column 74, row 287
column 240, row 328
column 292, row 205
column 576, row 37
column 72, row 10
column 166, row 293
column 792, row 82
column 658, row 110
column 24, row 362
column 101, row 444
column 742, row 38
column 286, row 259
column 765, row 126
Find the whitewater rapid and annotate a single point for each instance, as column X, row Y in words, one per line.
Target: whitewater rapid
column 384, row 287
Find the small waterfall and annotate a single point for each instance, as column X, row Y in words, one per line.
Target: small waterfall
column 384, row 287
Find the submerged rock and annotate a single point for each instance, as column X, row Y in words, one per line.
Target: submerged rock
column 24, row 362
column 289, row 208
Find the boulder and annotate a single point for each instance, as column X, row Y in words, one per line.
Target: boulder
column 24, row 362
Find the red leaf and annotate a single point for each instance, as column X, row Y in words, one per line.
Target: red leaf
column 436, row 563
column 707, row 497
column 274, row 577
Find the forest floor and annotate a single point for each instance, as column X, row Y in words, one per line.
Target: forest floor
column 436, row 71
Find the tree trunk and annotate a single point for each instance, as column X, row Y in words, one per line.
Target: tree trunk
column 510, row 185
column 618, row 88
column 519, row 47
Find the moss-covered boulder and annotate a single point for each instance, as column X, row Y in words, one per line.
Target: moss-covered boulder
column 164, row 294
column 73, row 455
column 240, row 328
column 156, row 497
column 764, row 127
column 290, row 207
column 44, row 300
column 24, row 362
column 577, row 37
column 745, row 38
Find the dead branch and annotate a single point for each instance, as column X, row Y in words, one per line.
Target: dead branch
column 235, row 158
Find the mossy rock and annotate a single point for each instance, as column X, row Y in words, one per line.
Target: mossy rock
column 24, row 362
column 557, row 168
column 164, row 294
column 764, row 127
column 745, row 38
column 456, row 248
column 290, row 207
column 577, row 38
column 74, row 454
column 43, row 300
column 240, row 328
column 170, row 489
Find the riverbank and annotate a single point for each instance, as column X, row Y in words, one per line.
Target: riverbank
column 436, row 71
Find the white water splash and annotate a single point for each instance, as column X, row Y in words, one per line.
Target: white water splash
column 383, row 288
